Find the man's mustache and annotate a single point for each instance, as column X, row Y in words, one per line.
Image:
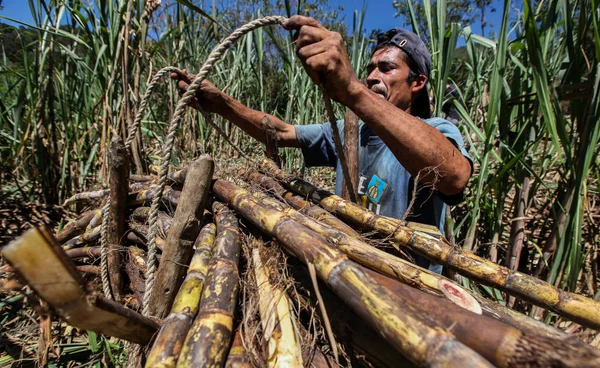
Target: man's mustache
column 379, row 89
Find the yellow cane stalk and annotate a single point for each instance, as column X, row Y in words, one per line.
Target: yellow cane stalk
column 168, row 344
column 279, row 328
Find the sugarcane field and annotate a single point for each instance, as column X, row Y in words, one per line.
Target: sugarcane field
column 299, row 183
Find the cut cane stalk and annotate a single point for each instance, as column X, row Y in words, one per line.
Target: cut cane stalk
column 85, row 252
column 44, row 266
column 570, row 305
column 179, row 245
column 135, row 268
column 238, row 356
column 87, row 237
column 171, row 336
column 170, row 195
column 207, row 342
column 278, row 325
column 300, row 204
column 75, row 227
column 97, row 194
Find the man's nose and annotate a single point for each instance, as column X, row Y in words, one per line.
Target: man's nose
column 373, row 78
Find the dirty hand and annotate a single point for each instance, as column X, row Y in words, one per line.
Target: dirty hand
column 324, row 57
column 208, row 97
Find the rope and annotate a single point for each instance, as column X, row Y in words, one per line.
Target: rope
column 104, row 250
column 128, row 142
column 164, row 168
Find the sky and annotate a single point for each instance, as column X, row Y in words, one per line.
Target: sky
column 379, row 15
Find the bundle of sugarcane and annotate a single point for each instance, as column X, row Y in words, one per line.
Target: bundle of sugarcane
column 573, row 306
column 217, row 278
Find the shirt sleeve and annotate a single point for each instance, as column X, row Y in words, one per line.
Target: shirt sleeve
column 316, row 143
column 451, row 132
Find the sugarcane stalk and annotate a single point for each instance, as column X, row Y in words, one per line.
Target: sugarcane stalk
column 135, row 267
column 85, row 252
column 501, row 344
column 96, row 220
column 37, row 258
column 142, row 214
column 88, row 269
column 397, row 321
column 177, row 176
column 178, row 249
column 170, row 195
column 278, row 325
column 88, row 236
column 97, row 194
column 360, row 340
column 374, row 258
column 301, row 204
column 416, row 276
column 238, row 356
column 141, row 231
column 175, row 327
column 570, row 305
column 118, row 164
column 86, row 196
column 351, row 138
column 75, row 227
column 141, row 178
column 207, row 342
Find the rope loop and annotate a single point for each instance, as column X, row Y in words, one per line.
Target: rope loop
column 215, row 55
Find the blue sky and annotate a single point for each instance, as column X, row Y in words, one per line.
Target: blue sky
column 380, row 13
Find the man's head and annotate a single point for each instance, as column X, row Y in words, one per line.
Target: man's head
column 399, row 69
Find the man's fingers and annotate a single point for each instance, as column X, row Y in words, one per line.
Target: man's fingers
column 297, row 21
column 313, row 49
column 182, row 85
column 308, row 35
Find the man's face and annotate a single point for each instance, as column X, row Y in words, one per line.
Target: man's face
column 386, row 75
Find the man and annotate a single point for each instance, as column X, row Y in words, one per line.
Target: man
column 395, row 144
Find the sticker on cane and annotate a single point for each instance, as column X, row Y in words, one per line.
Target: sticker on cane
column 459, row 296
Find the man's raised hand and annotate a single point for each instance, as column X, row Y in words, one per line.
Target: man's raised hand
column 324, row 57
column 208, row 97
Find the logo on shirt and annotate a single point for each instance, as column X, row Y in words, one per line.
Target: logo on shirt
column 376, row 188
column 370, row 195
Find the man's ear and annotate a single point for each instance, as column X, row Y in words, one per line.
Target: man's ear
column 418, row 84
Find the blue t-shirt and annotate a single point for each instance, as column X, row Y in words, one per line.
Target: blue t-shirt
column 384, row 185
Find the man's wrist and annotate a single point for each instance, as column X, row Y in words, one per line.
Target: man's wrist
column 356, row 92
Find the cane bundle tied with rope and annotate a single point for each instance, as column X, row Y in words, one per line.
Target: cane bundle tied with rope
column 360, row 288
column 185, row 100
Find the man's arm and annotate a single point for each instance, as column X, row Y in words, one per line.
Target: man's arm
column 416, row 144
column 211, row 99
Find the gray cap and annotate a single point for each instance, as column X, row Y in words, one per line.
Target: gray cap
column 416, row 50
column 411, row 44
